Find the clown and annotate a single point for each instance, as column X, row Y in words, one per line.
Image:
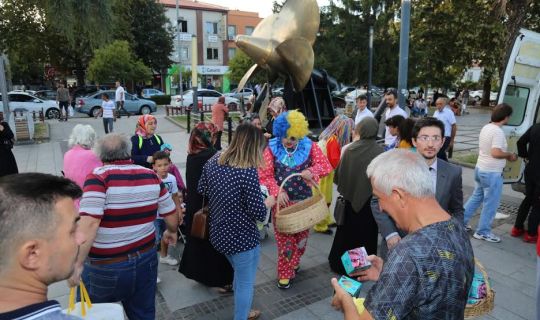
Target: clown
column 288, row 153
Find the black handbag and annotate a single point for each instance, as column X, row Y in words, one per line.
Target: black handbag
column 339, row 210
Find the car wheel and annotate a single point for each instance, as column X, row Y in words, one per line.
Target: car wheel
column 94, row 112
column 477, row 99
column 145, row 110
column 52, row 113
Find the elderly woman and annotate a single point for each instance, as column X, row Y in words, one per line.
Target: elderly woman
column 200, row 261
column 290, row 152
column 358, row 228
column 8, row 165
column 80, row 160
column 145, row 142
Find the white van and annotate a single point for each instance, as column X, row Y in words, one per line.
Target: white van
column 520, row 88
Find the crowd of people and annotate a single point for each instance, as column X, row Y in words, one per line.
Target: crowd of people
column 110, row 220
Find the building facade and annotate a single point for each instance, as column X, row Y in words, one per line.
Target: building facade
column 239, row 22
column 208, row 23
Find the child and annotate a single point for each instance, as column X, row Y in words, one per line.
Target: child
column 161, row 166
column 167, row 148
column 107, row 112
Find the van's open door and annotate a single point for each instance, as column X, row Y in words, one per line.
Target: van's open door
column 520, row 88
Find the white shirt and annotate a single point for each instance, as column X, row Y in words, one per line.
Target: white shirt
column 433, row 170
column 362, row 114
column 448, row 118
column 388, row 138
column 170, row 184
column 491, row 136
column 120, row 94
column 108, row 109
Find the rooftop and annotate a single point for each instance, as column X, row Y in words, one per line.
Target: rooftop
column 193, row 4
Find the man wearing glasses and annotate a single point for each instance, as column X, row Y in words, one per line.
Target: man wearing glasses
column 428, row 138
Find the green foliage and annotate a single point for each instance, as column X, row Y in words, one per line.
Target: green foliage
column 239, row 65
column 116, row 61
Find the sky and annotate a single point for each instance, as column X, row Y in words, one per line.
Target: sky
column 263, row 7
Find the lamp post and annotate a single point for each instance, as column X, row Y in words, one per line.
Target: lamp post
column 179, row 48
column 3, row 88
column 404, row 50
column 370, row 70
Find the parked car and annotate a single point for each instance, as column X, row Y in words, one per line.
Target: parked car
column 20, row 100
column 91, row 104
column 278, row 92
column 46, row 94
column 149, row 92
column 477, row 95
column 204, row 96
column 244, row 94
column 376, row 97
column 343, row 92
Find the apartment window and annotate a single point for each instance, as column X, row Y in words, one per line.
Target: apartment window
column 231, row 32
column 232, row 52
column 182, row 25
column 249, row 30
column 212, row 54
column 184, row 54
column 211, row 27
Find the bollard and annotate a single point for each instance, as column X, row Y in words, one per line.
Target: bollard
column 229, row 130
column 188, row 112
column 167, row 110
column 202, row 116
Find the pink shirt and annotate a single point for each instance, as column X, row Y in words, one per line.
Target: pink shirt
column 218, row 115
column 78, row 163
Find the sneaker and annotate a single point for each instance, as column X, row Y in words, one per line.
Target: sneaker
column 468, row 227
column 500, row 216
column 168, row 260
column 530, row 239
column 254, row 314
column 517, row 232
column 284, row 283
column 158, row 280
column 489, row 238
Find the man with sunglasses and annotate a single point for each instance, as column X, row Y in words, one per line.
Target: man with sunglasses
column 428, row 138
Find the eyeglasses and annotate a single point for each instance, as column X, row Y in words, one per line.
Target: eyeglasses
column 428, row 138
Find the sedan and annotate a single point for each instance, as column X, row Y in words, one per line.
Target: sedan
column 204, row 96
column 46, row 94
column 477, row 95
column 376, row 97
column 244, row 94
column 147, row 93
column 92, row 103
column 19, row 100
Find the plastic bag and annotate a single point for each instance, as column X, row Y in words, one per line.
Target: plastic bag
column 71, row 112
column 97, row 311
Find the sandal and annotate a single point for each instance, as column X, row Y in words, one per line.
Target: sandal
column 226, row 289
column 254, row 314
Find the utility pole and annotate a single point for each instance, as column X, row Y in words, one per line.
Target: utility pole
column 370, row 70
column 179, row 49
column 404, row 51
column 3, row 88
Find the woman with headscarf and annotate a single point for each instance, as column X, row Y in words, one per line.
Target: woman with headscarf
column 200, row 261
column 275, row 108
column 8, row 164
column 358, row 228
column 145, row 142
column 80, row 160
column 331, row 140
column 290, row 152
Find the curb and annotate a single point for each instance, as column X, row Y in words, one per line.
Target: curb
column 463, row 164
column 177, row 123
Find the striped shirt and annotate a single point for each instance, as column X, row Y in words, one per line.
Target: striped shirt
column 126, row 198
column 48, row 310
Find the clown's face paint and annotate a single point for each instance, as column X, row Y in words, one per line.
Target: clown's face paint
column 289, row 143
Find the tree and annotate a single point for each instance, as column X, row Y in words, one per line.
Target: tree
column 116, row 61
column 239, row 65
column 144, row 24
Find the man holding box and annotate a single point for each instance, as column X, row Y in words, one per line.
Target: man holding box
column 429, row 272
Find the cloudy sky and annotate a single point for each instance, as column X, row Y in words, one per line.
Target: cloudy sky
column 263, row 7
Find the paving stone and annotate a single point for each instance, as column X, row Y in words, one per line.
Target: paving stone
column 180, row 292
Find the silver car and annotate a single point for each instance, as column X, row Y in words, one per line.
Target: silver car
column 91, row 104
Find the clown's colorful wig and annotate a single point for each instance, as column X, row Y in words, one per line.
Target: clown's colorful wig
column 291, row 124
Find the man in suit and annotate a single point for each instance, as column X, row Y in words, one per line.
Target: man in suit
column 428, row 138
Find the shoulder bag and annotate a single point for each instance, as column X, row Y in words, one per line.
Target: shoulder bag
column 339, row 211
column 199, row 225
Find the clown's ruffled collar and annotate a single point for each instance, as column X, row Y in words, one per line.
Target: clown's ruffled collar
column 294, row 157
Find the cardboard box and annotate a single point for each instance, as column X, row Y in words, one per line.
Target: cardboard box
column 352, row 286
column 355, row 260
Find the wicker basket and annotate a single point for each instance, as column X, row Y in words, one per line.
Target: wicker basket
column 485, row 305
column 302, row 215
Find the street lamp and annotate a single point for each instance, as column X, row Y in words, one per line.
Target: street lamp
column 404, row 50
column 178, row 49
column 370, row 61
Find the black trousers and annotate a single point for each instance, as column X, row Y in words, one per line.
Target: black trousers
column 531, row 204
column 217, row 144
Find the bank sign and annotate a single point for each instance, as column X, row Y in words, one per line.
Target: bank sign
column 212, row 70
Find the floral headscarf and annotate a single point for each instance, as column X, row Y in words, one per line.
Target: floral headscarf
column 140, row 130
column 202, row 137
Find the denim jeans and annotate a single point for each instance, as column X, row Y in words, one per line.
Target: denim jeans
column 132, row 282
column 487, row 191
column 245, row 269
column 108, row 125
